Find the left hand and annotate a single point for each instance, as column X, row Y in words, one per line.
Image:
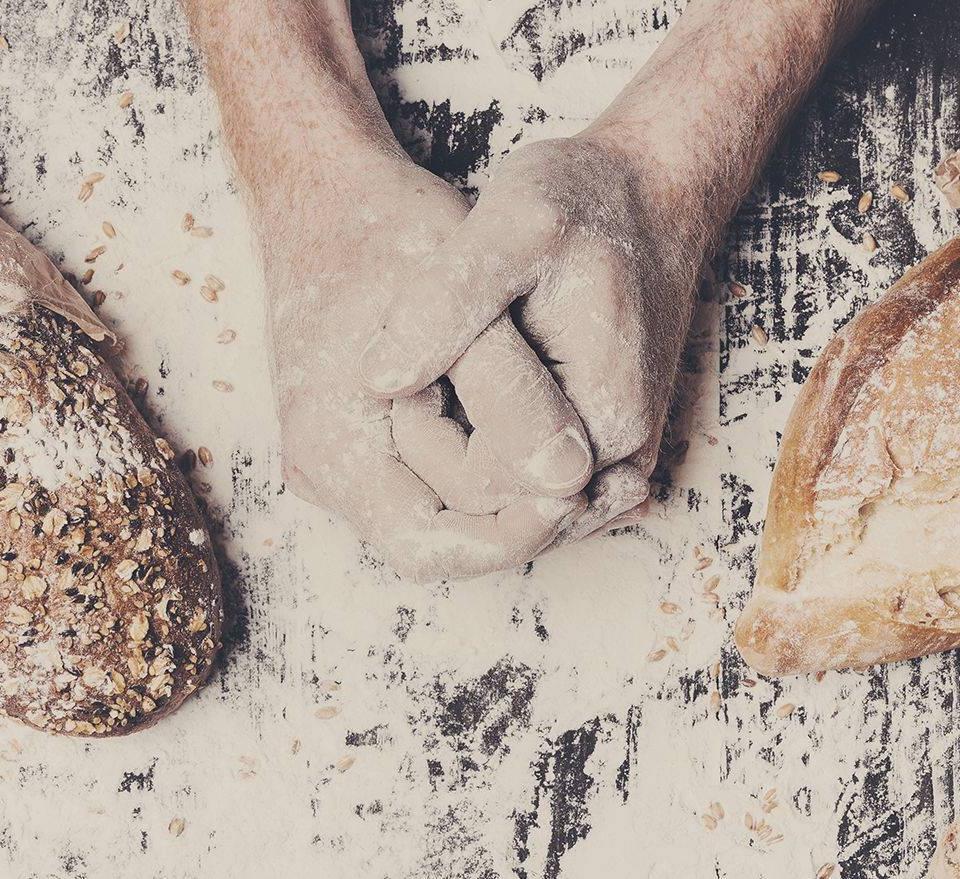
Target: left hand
column 589, row 253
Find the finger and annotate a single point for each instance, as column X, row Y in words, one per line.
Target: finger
column 470, row 546
column 615, row 355
column 513, row 401
column 420, row 539
column 467, row 282
column 629, row 518
column 460, row 469
column 613, row 492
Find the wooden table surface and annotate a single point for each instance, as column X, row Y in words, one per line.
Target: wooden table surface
column 541, row 723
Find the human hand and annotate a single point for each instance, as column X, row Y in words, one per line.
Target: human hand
column 433, row 499
column 595, row 265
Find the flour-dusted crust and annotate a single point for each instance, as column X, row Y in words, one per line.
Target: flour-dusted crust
column 946, row 861
column 860, row 561
column 110, row 602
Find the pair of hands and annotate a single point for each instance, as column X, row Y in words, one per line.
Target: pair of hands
column 556, row 309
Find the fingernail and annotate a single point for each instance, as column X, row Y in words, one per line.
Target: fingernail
column 382, row 365
column 562, row 462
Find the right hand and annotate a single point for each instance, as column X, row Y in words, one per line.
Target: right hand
column 433, row 499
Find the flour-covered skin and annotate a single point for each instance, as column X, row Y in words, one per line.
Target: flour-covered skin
column 595, row 242
column 343, row 215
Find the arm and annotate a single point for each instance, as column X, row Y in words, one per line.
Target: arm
column 342, row 214
column 600, row 237
column 714, row 98
column 294, row 95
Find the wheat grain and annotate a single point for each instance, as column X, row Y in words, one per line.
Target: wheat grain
column 899, row 193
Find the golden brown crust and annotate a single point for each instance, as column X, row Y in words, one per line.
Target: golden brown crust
column 110, row 603
column 946, row 860
column 782, row 631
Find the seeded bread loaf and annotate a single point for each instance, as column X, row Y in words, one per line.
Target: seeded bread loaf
column 860, row 560
column 110, row 603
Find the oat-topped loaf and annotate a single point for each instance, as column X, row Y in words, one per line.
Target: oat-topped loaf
column 860, row 560
column 110, row 603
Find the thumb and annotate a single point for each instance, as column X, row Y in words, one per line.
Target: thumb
column 462, row 287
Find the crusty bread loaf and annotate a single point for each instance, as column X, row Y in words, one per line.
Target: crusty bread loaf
column 110, row 603
column 946, row 861
column 860, row 560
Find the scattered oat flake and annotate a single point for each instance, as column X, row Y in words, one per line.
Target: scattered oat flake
column 327, row 712
column 328, row 686
column 672, row 644
column 222, row 386
column 865, row 203
column 759, row 335
column 187, row 222
column 344, row 763
column 786, row 709
column 226, row 337
column 214, row 283
column 709, row 822
column 826, row 871
column 181, row 277
column 748, row 821
column 95, row 253
column 208, row 293
column 712, row 583
column 899, row 193
column 829, row 176
column 295, row 746
column 704, row 562
column 737, row 291
column 715, row 700
column 86, row 277
column 669, row 607
column 656, row 655
column 3, row 43
column 205, row 456
column 869, row 243
column 93, row 178
column 126, row 99
column 176, row 826
column 749, row 682
column 108, row 229
column 201, row 231
column 121, row 32
column 717, row 811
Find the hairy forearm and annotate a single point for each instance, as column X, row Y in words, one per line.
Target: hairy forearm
column 294, row 96
column 713, row 99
